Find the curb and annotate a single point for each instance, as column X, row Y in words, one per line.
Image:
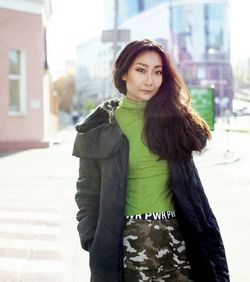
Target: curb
column 241, row 130
column 67, row 134
column 228, row 157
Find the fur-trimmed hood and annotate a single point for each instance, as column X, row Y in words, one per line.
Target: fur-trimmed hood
column 98, row 135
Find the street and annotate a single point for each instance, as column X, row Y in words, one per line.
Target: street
column 38, row 236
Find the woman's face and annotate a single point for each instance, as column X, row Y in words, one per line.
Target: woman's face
column 144, row 76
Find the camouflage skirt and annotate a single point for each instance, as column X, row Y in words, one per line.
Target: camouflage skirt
column 154, row 250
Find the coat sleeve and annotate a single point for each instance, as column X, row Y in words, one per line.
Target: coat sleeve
column 87, row 199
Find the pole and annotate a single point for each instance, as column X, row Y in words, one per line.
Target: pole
column 170, row 9
column 115, row 45
column 221, row 91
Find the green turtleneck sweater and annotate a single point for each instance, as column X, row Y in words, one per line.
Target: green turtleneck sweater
column 147, row 183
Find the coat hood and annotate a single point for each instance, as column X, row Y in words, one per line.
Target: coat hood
column 98, row 135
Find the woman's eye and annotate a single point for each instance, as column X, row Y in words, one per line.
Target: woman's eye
column 141, row 70
column 159, row 72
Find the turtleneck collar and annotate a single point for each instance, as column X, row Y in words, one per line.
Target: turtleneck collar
column 131, row 105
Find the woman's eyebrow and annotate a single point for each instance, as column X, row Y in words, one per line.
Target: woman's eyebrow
column 145, row 65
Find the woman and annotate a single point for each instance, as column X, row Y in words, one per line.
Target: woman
column 143, row 214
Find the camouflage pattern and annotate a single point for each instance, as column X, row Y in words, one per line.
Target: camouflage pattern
column 154, row 250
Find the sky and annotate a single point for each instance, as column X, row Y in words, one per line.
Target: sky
column 71, row 23
column 76, row 21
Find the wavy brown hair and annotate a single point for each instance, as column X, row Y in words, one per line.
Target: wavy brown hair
column 172, row 130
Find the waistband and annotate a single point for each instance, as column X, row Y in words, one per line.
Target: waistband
column 153, row 215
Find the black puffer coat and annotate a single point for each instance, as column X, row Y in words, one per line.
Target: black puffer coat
column 101, row 187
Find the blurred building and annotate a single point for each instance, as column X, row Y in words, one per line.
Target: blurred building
column 195, row 32
column 24, row 83
column 201, row 46
column 93, row 69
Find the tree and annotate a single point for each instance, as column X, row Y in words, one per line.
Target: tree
column 65, row 88
column 241, row 73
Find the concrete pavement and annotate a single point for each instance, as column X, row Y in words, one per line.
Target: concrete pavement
column 38, row 237
column 219, row 150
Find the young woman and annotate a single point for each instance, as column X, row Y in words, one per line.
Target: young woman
column 143, row 214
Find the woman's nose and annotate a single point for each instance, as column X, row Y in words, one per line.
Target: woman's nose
column 149, row 80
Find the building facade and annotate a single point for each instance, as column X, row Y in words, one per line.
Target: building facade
column 195, row 33
column 93, row 70
column 24, row 87
column 201, row 46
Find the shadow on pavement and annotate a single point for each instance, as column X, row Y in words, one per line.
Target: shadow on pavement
column 9, row 153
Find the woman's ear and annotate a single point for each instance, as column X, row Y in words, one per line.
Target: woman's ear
column 124, row 77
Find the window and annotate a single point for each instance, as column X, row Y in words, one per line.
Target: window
column 201, row 72
column 17, row 90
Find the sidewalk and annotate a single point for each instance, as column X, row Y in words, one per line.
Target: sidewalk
column 234, row 124
column 38, row 235
column 75, row 260
column 218, row 150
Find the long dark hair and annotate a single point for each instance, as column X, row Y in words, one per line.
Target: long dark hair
column 172, row 130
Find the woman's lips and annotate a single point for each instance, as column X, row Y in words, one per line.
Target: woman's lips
column 147, row 91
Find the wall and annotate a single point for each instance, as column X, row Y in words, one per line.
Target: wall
column 24, row 31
